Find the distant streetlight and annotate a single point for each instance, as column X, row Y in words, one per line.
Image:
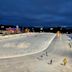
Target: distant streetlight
column 41, row 28
column 51, row 28
column 2, row 26
column 17, row 26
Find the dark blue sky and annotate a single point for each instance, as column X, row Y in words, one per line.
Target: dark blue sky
column 36, row 12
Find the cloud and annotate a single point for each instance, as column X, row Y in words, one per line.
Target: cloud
column 43, row 10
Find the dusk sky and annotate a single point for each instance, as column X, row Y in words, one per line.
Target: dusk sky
column 36, row 12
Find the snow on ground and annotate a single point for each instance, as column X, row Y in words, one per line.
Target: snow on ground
column 24, row 45
column 39, row 62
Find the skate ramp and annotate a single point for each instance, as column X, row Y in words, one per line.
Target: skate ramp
column 39, row 62
column 25, row 45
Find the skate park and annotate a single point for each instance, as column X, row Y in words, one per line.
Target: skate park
column 36, row 56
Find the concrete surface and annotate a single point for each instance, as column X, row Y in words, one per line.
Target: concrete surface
column 40, row 62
